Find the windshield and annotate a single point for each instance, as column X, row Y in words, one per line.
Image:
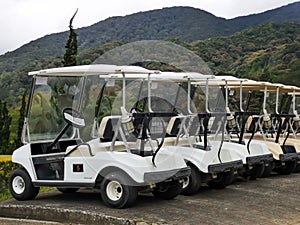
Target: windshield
column 50, row 96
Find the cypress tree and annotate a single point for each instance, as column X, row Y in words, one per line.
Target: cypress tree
column 22, row 112
column 71, row 46
column 5, row 121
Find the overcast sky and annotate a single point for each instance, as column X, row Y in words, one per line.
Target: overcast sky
column 22, row 21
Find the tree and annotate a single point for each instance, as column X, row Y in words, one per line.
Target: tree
column 17, row 141
column 71, row 46
column 5, row 121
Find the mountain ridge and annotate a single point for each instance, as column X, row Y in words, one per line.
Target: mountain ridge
column 185, row 23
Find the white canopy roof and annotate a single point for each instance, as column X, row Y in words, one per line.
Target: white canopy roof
column 86, row 70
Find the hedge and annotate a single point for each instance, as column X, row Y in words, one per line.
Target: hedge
column 6, row 167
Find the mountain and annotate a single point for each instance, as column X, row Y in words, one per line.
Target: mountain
column 269, row 52
column 186, row 23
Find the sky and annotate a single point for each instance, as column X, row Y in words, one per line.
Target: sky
column 22, row 21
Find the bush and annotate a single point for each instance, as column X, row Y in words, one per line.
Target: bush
column 6, row 167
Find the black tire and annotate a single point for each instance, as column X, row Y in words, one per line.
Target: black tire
column 286, row 169
column 167, row 190
column 192, row 183
column 115, row 193
column 222, row 181
column 67, row 190
column 268, row 170
column 257, row 171
column 297, row 169
column 21, row 187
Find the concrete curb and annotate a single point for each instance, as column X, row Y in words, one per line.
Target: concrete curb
column 60, row 215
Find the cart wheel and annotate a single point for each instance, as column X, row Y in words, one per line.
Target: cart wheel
column 286, row 169
column 168, row 190
column 268, row 170
column 67, row 190
column 115, row 193
column 191, row 184
column 21, row 187
column 257, row 171
column 297, row 169
column 222, row 181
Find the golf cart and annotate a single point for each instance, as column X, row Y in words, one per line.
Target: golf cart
column 59, row 152
column 257, row 160
column 260, row 125
column 210, row 163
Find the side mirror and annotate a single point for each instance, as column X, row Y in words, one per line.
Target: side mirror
column 73, row 117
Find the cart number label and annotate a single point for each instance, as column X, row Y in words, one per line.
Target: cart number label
column 77, row 168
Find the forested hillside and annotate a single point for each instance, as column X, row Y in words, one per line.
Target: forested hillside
column 267, row 52
column 186, row 23
column 270, row 51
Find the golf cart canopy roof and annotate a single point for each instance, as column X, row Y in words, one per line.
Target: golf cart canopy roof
column 289, row 89
column 226, row 80
column 87, row 70
column 181, row 76
column 165, row 76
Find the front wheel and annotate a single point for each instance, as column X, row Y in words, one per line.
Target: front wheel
column 268, row 170
column 115, row 193
column 167, row 190
column 223, row 180
column 21, row 187
column 257, row 171
column 287, row 168
column 191, row 184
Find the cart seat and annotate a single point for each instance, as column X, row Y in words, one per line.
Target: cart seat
column 102, row 143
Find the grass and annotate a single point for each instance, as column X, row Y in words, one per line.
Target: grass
column 5, row 194
column 5, row 169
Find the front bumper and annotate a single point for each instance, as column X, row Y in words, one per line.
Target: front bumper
column 156, row 177
column 289, row 157
column 266, row 158
column 222, row 167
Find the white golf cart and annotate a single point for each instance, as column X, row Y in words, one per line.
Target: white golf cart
column 267, row 128
column 209, row 119
column 211, row 163
column 59, row 152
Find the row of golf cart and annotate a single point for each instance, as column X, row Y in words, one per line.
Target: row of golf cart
column 128, row 130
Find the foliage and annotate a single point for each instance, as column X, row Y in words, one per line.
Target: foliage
column 185, row 23
column 6, row 167
column 5, row 121
column 17, row 140
column 268, row 52
column 71, row 46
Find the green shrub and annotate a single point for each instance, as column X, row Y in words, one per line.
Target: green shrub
column 6, row 167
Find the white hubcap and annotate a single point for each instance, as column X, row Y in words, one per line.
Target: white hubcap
column 185, row 182
column 18, row 185
column 114, row 190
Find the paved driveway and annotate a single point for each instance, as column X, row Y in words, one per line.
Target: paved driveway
column 273, row 200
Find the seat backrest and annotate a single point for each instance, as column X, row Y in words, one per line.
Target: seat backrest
column 106, row 129
column 250, row 123
column 173, row 126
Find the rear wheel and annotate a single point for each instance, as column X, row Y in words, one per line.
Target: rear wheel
column 21, row 187
column 297, row 169
column 191, row 184
column 223, row 180
column 115, row 193
column 168, row 190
